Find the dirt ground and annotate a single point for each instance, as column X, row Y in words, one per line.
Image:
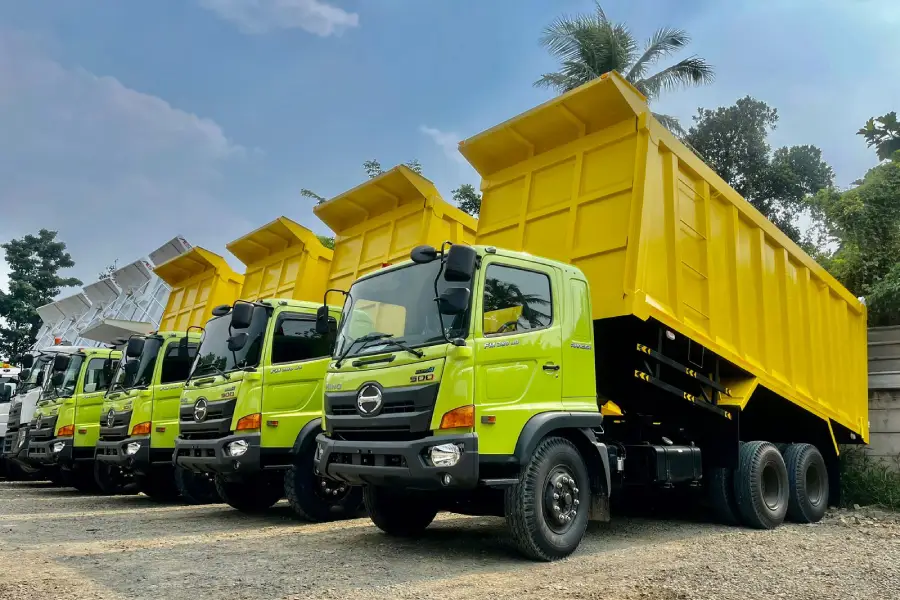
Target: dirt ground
column 58, row 543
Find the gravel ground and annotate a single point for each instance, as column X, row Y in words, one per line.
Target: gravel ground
column 57, row 543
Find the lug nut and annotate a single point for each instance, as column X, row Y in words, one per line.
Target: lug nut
column 575, row 490
column 324, row 484
column 559, row 485
column 555, row 496
column 576, row 502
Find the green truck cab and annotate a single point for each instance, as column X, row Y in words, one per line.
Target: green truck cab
column 67, row 420
column 139, row 419
column 251, row 409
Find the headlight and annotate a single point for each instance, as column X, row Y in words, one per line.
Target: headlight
column 132, row 448
column 58, row 447
column 237, row 448
column 445, row 455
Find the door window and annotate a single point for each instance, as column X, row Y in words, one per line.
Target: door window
column 296, row 339
column 99, row 374
column 516, row 300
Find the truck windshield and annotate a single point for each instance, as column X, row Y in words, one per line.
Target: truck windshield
column 142, row 377
column 70, row 378
column 36, row 375
column 214, row 355
column 399, row 303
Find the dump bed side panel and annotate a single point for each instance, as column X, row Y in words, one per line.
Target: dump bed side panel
column 290, row 274
column 713, row 268
column 200, row 281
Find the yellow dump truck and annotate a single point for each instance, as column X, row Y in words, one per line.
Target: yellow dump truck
column 253, row 405
column 625, row 323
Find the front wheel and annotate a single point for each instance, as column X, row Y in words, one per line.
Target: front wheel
column 398, row 512
column 547, row 510
column 315, row 498
column 112, row 480
column 253, row 495
column 158, row 485
column 196, row 488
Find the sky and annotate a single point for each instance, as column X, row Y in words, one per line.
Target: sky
column 128, row 122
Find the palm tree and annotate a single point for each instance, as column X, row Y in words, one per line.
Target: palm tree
column 590, row 45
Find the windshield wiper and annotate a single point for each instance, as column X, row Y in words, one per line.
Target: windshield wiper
column 369, row 337
column 399, row 344
column 210, row 366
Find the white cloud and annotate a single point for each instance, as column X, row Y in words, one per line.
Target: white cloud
column 447, row 140
column 115, row 171
column 262, row 16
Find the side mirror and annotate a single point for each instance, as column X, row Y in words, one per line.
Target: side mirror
column 24, row 374
column 454, row 301
column 241, row 315
column 57, row 378
column 27, row 361
column 322, row 325
column 459, row 265
column 135, row 347
column 238, row 341
column 131, row 368
column 40, row 379
column 423, row 254
column 5, row 392
column 61, row 362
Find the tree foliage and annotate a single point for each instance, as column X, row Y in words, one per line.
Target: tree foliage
column 587, row 46
column 108, row 270
column 864, row 225
column 883, row 133
column 467, row 199
column 733, row 140
column 327, row 241
column 34, row 263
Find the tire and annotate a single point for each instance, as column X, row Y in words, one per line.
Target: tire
column 808, row 483
column 317, row 499
column 82, row 479
column 111, row 480
column 196, row 488
column 16, row 471
column 556, row 467
column 158, row 485
column 761, row 486
column 253, row 495
column 399, row 513
column 720, row 492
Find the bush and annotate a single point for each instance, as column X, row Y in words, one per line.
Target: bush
column 868, row 481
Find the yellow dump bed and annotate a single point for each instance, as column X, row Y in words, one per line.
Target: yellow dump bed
column 380, row 221
column 592, row 179
column 200, row 281
column 284, row 260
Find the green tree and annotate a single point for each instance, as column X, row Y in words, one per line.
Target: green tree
column 34, row 263
column 372, row 168
column 327, row 241
column 587, row 46
column 883, row 133
column 733, row 140
column 108, row 270
column 864, row 225
column 311, row 194
column 467, row 199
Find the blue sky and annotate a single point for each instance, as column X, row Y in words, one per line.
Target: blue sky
column 128, row 122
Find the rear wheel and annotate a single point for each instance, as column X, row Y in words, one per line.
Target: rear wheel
column 158, row 485
column 112, row 480
column 547, row 510
column 399, row 513
column 250, row 495
column 315, row 498
column 196, row 488
column 761, row 485
column 808, row 483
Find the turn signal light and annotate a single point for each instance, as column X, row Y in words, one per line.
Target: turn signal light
column 464, row 416
column 249, row 422
column 141, row 428
column 66, row 431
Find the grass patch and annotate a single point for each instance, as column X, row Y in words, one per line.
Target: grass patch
column 867, row 481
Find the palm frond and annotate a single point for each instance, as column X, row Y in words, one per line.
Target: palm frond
column 690, row 71
column 671, row 123
column 665, row 41
column 556, row 81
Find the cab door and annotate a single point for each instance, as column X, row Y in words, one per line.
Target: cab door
column 518, row 350
column 172, row 370
column 89, row 401
column 293, row 376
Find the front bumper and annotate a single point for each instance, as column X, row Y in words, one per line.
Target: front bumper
column 397, row 464
column 114, row 453
column 208, row 456
column 41, row 452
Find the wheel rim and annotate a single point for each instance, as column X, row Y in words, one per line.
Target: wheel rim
column 560, row 499
column 814, row 487
column 331, row 492
column 771, row 487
